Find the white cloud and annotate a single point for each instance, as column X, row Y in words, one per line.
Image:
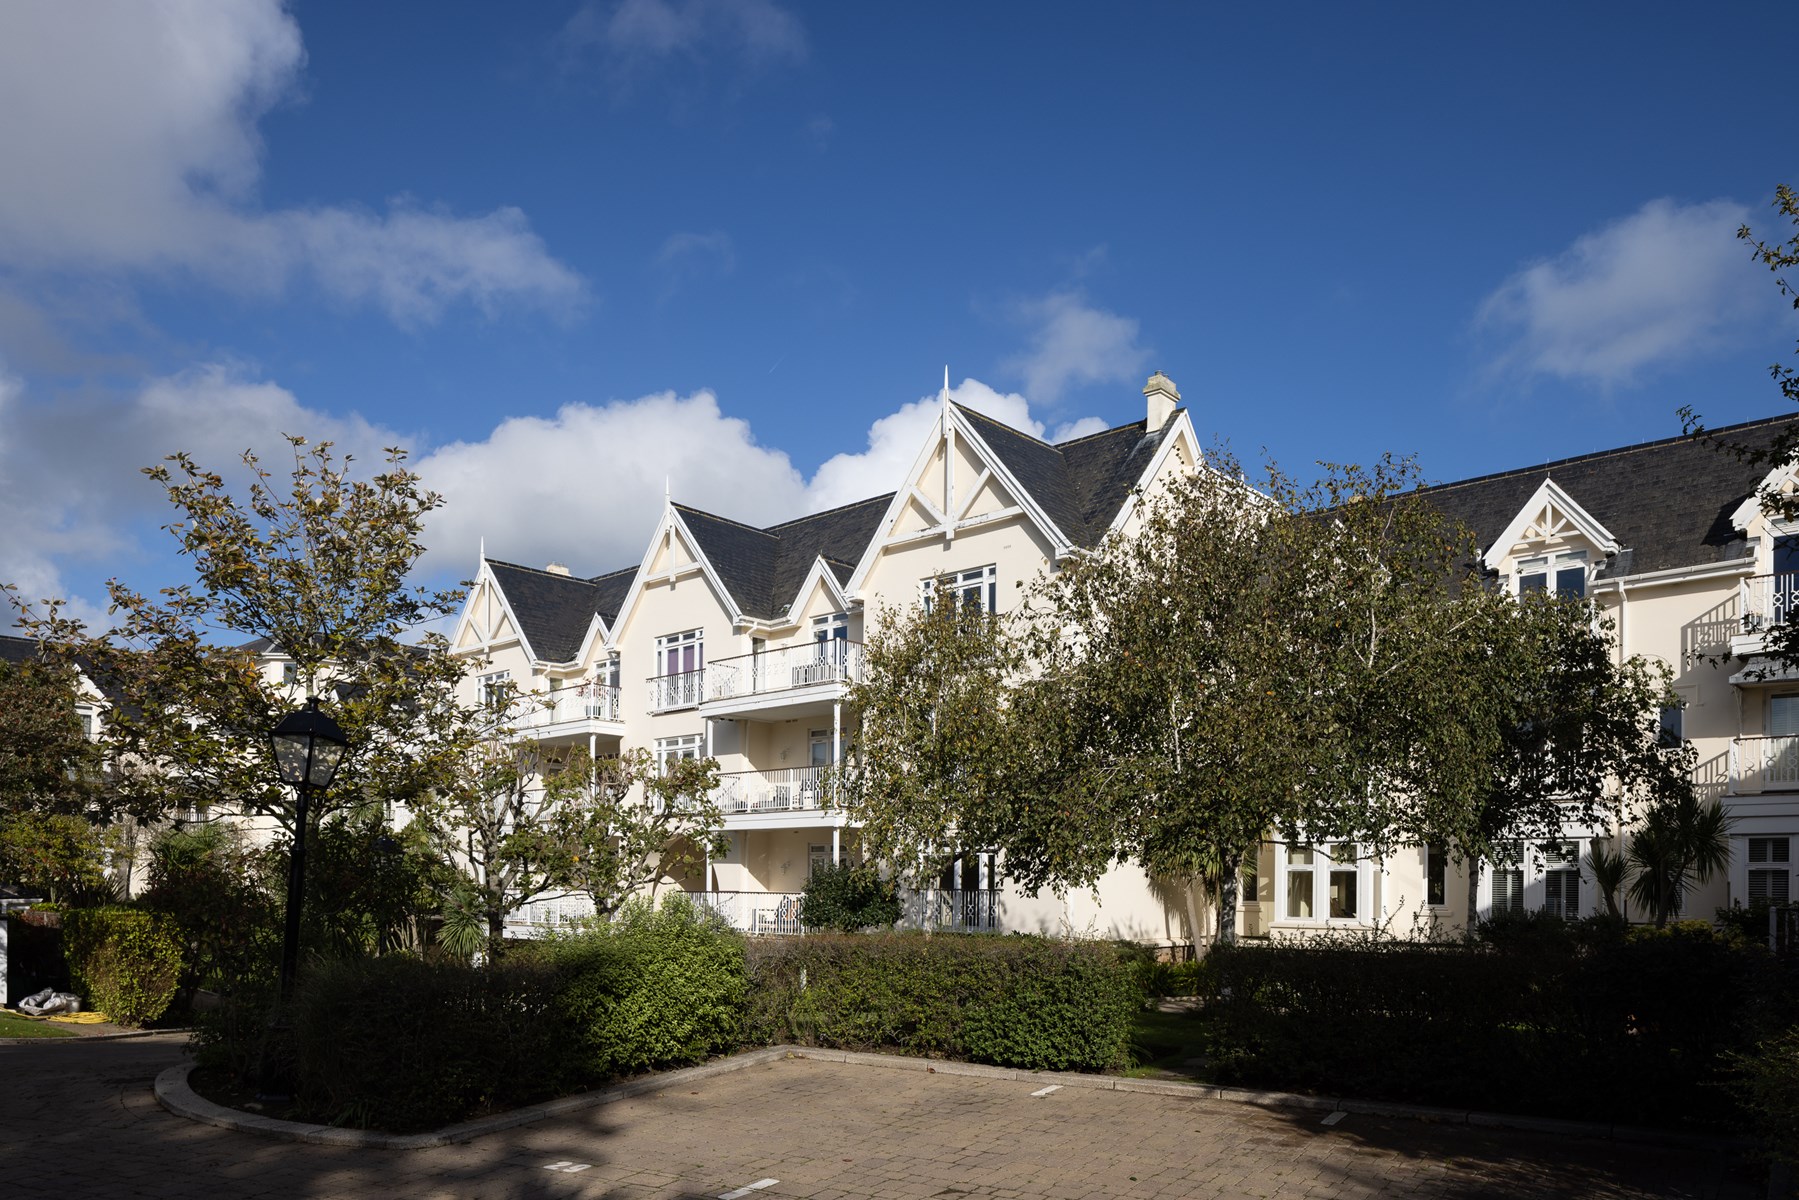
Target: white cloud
column 73, row 498
column 132, row 145
column 1074, row 343
column 641, row 34
column 585, row 486
column 1666, row 283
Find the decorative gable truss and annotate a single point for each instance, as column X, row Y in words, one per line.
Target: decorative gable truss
column 674, row 554
column 1783, row 481
column 1549, row 519
column 487, row 622
column 956, row 484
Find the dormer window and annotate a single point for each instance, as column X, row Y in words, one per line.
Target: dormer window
column 1564, row 573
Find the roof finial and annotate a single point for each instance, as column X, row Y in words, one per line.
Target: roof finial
column 945, row 394
column 667, row 493
column 483, row 547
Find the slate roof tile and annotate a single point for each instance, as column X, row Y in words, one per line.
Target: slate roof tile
column 553, row 610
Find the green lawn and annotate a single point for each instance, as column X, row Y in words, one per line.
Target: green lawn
column 13, row 1025
column 1163, row 1046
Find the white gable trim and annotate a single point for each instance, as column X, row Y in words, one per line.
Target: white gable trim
column 1751, row 506
column 1180, row 435
column 950, row 423
column 1549, row 496
column 820, row 572
column 667, row 528
column 485, row 576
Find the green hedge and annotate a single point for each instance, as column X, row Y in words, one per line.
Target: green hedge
column 1629, row 1028
column 1015, row 1001
column 126, row 962
column 405, row 1044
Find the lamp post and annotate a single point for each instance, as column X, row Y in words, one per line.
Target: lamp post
column 308, row 747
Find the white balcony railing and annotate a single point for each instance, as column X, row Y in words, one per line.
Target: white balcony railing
column 1762, row 764
column 972, row 910
column 682, row 690
column 793, row 789
column 588, row 702
column 1768, row 600
column 783, row 669
column 760, row 913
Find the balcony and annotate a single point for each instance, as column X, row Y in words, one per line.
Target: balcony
column 758, row 913
column 780, row 913
column 590, row 708
column 681, row 690
column 788, row 681
column 1764, row 764
column 791, row 790
column 1763, row 602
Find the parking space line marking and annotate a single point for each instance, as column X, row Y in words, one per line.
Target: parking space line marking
column 741, row 1192
column 1334, row 1118
column 1054, row 1087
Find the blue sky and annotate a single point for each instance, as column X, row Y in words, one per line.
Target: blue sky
column 563, row 250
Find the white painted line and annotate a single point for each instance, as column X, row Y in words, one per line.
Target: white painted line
column 741, row 1192
column 567, row 1166
column 1054, row 1087
column 1334, row 1117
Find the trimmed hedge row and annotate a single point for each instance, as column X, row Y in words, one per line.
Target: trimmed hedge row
column 125, row 961
column 407, row 1044
column 1013, row 1001
column 1627, row 1028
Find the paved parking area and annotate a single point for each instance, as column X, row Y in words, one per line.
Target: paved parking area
column 78, row 1120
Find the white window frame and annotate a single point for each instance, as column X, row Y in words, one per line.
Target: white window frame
column 1770, row 856
column 1549, row 566
column 980, row 583
column 493, row 685
column 674, row 749
column 1436, row 857
column 684, row 685
column 1533, row 868
column 1324, row 863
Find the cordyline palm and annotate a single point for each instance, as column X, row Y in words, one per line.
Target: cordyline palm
column 1682, row 841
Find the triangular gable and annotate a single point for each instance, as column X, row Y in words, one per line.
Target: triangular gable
column 948, row 515
column 821, row 575
column 1178, row 439
column 669, row 528
column 487, row 618
column 1782, row 479
column 1549, row 513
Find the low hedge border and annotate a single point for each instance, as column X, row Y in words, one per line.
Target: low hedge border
column 174, row 1095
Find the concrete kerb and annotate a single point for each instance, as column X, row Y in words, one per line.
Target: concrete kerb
column 174, row 1094
column 75, row 1038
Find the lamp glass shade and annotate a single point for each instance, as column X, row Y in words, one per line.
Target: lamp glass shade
column 308, row 747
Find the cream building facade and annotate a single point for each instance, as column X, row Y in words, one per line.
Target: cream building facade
column 738, row 643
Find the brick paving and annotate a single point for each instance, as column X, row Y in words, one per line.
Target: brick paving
column 78, row 1120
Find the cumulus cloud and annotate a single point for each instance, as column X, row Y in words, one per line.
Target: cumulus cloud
column 585, row 486
column 1657, row 287
column 1072, row 343
column 74, row 500
column 636, row 35
column 132, row 145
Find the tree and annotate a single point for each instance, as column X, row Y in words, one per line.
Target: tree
column 315, row 569
column 623, row 823
column 933, row 735
column 521, row 819
column 59, row 854
column 47, row 762
column 1681, row 841
column 1247, row 663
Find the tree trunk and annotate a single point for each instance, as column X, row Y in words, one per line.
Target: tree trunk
column 1193, row 928
column 496, row 933
column 1227, row 901
column 1473, row 895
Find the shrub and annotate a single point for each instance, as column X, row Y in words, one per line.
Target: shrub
column 204, row 882
column 1766, row 1083
column 1015, row 1001
column 1640, row 1021
column 127, row 962
column 848, row 898
column 413, row 1045
column 653, row 988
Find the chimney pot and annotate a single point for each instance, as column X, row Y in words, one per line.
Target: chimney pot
column 1163, row 400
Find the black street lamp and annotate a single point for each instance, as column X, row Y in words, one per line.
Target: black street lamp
column 308, row 747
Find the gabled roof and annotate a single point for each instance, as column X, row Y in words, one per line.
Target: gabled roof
column 18, row 650
column 1080, row 485
column 554, row 611
column 1668, row 503
column 763, row 569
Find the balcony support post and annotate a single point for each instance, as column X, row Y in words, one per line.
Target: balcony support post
column 836, row 845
